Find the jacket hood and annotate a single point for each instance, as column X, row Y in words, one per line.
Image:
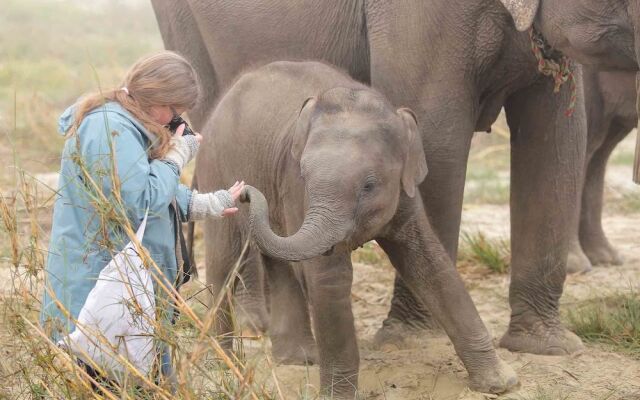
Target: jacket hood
column 68, row 117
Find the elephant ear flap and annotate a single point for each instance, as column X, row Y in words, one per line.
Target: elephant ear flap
column 302, row 128
column 522, row 11
column 414, row 169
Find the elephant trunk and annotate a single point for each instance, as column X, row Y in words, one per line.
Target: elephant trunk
column 319, row 233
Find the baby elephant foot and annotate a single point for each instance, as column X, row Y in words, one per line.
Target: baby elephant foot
column 291, row 353
column 497, row 379
column 541, row 338
column 577, row 261
column 602, row 253
column 252, row 318
column 397, row 335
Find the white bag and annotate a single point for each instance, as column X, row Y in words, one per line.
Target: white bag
column 120, row 310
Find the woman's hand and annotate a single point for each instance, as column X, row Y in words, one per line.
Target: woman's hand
column 235, row 191
column 180, row 131
column 184, row 148
column 218, row 204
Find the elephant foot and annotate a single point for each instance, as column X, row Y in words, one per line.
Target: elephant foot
column 577, row 261
column 540, row 337
column 495, row 380
column 290, row 352
column 600, row 252
column 397, row 335
column 252, row 317
column 251, row 313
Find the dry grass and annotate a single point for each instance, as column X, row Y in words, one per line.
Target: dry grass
column 371, row 253
column 477, row 249
column 40, row 369
column 613, row 321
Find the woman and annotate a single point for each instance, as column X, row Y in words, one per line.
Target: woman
column 120, row 159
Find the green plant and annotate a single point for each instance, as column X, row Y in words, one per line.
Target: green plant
column 370, row 253
column 493, row 254
column 613, row 321
column 628, row 203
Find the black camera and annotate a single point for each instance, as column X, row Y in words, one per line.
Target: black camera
column 176, row 122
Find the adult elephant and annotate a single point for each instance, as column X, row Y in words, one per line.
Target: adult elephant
column 611, row 114
column 456, row 63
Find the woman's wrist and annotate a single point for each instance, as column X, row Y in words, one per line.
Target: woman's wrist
column 184, row 150
column 203, row 205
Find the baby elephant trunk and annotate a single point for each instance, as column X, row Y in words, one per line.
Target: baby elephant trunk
column 319, row 233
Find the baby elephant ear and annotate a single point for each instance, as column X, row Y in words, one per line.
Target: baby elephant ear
column 302, row 128
column 414, row 169
column 522, row 11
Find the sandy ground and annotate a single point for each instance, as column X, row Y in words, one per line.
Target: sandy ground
column 431, row 370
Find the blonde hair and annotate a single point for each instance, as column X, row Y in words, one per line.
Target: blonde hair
column 161, row 79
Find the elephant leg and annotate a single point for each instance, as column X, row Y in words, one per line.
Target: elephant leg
column 577, row 260
column 225, row 242
column 249, row 296
column 548, row 151
column 290, row 326
column 328, row 281
column 429, row 273
column 442, row 193
column 407, row 321
column 592, row 237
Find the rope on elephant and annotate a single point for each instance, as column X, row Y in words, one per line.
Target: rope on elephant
column 560, row 67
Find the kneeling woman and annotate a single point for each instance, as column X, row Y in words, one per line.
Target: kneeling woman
column 119, row 155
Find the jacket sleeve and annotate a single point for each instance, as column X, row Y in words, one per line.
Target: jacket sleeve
column 107, row 143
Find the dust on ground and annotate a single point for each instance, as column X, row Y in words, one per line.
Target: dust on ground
column 431, row 369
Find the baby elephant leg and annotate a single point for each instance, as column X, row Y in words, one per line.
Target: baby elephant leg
column 249, row 295
column 329, row 280
column 429, row 273
column 290, row 326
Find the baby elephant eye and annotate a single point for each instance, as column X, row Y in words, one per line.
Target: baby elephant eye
column 369, row 185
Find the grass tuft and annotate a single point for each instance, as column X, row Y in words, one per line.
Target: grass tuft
column 628, row 203
column 613, row 321
column 478, row 249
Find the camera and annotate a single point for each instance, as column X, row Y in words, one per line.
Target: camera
column 176, row 122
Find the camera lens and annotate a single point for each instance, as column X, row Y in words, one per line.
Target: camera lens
column 176, row 122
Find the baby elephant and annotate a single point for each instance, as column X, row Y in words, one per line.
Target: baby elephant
column 333, row 166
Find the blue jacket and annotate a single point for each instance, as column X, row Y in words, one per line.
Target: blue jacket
column 80, row 244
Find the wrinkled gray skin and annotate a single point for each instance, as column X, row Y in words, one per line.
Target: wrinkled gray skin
column 599, row 33
column 456, row 63
column 330, row 173
column 610, row 102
